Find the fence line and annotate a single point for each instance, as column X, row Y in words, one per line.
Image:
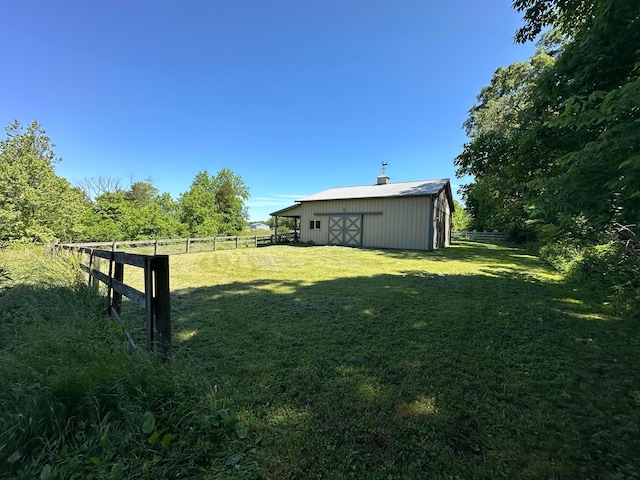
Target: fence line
column 474, row 235
column 172, row 246
column 155, row 300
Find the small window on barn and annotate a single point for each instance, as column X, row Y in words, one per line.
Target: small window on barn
column 314, row 224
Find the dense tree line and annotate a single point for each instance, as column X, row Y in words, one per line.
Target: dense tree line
column 38, row 205
column 554, row 141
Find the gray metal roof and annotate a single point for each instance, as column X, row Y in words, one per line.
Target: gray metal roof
column 400, row 189
column 291, row 211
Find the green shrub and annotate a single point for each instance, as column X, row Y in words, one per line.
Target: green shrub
column 611, row 272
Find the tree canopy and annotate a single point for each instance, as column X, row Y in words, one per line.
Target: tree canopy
column 556, row 137
column 553, row 141
column 36, row 204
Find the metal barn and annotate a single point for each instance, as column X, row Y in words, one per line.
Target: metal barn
column 404, row 215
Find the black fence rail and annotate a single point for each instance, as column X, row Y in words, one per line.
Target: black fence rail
column 155, row 300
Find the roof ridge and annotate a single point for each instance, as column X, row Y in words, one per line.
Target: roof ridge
column 386, row 184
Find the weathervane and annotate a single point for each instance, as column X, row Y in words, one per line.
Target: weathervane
column 384, row 165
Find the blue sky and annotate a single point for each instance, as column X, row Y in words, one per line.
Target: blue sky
column 294, row 96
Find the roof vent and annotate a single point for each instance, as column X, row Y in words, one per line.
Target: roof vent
column 383, row 179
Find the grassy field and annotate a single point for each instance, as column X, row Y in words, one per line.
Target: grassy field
column 476, row 361
column 470, row 362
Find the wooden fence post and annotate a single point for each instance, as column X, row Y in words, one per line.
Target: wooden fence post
column 149, row 312
column 118, row 275
column 163, row 306
column 237, row 243
column 187, row 249
column 110, row 284
column 90, row 268
column 94, row 264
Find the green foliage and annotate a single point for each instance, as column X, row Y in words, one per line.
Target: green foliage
column 78, row 402
column 214, row 205
column 593, row 92
column 461, row 219
column 285, row 224
column 35, row 204
column 570, row 15
column 135, row 214
column 553, row 141
column 498, row 154
column 612, row 272
column 198, row 209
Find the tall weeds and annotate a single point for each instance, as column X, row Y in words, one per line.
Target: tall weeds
column 608, row 265
column 78, row 402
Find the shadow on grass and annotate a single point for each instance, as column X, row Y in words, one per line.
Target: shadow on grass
column 469, row 251
column 419, row 374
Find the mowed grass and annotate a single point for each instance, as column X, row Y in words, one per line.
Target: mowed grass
column 475, row 361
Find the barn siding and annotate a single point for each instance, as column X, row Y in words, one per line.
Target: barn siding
column 403, row 223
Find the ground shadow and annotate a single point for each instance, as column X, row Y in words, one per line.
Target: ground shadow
column 405, row 374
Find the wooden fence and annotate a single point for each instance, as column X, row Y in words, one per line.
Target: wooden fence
column 485, row 236
column 174, row 246
column 155, row 299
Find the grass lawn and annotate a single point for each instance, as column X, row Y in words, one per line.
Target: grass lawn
column 475, row 361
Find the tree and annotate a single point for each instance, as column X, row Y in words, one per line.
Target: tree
column 558, row 155
column 285, row 224
column 230, row 195
column 214, row 204
column 568, row 15
column 35, row 203
column 461, row 219
column 96, row 186
column 198, row 209
column 590, row 98
column 499, row 154
column 141, row 193
column 134, row 214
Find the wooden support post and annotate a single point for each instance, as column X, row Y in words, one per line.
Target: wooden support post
column 255, row 241
column 237, row 242
column 155, row 247
column 118, row 274
column 90, row 268
column 149, row 310
column 275, row 230
column 110, row 285
column 188, row 241
column 215, row 243
column 163, row 306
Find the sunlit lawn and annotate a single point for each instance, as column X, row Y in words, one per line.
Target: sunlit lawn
column 474, row 361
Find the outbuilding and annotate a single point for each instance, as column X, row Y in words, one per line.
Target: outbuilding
column 404, row 215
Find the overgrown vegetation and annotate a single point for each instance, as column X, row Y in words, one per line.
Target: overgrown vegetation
column 553, row 142
column 77, row 402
